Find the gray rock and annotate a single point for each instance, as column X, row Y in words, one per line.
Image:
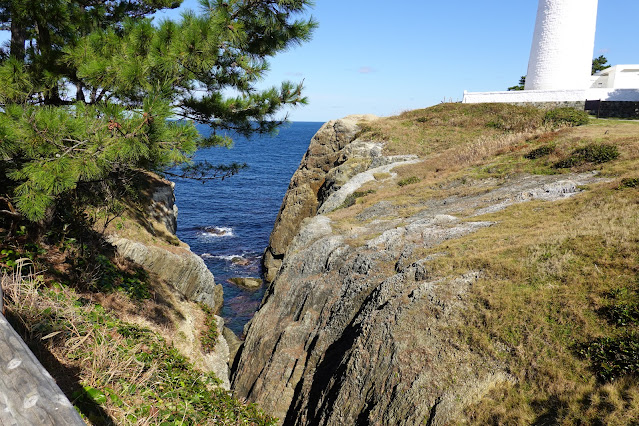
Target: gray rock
column 246, row 282
column 381, row 209
column 342, row 337
column 233, row 343
column 182, row 269
column 311, row 184
column 162, row 207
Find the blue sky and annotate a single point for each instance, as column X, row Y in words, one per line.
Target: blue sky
column 383, row 57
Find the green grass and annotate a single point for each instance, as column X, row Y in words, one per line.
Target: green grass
column 352, row 198
column 566, row 117
column 408, row 181
column 557, row 303
column 629, row 183
column 210, row 334
column 591, row 153
column 128, row 373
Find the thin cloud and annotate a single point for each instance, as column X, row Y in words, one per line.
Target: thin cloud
column 366, row 70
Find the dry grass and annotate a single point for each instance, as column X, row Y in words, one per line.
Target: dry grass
column 68, row 332
column 547, row 267
column 436, row 129
column 114, row 365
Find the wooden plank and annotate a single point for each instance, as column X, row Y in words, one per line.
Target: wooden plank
column 28, row 393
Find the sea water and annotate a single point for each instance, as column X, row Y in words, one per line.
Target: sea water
column 228, row 222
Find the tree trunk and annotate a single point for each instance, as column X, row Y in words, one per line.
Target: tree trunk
column 18, row 38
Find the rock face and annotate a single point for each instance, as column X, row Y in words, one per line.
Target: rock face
column 182, row 269
column 162, row 206
column 355, row 327
column 332, row 159
column 175, row 264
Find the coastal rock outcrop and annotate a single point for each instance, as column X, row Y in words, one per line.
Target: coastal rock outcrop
column 356, row 326
column 333, row 158
column 151, row 243
column 179, row 267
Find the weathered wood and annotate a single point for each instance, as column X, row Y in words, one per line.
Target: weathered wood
column 28, row 393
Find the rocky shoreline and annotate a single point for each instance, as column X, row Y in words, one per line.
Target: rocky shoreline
column 356, row 327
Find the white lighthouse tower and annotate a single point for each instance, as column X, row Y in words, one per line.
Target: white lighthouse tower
column 563, row 45
column 561, row 61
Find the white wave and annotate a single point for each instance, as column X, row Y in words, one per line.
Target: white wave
column 217, row 232
column 235, row 258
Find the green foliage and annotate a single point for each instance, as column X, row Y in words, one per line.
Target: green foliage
column 617, row 355
column 408, row 181
column 130, row 79
column 520, row 86
column 10, row 257
column 591, row 153
column 127, row 370
column 566, row 117
column 539, row 152
column 352, row 198
column 599, row 64
column 613, row 357
column 623, row 308
column 629, row 183
column 134, row 284
column 210, row 334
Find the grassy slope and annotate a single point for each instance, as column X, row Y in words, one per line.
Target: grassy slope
column 558, row 277
column 109, row 332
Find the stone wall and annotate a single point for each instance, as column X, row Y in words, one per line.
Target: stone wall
column 616, row 109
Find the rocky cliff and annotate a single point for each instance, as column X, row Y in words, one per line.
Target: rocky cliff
column 333, row 158
column 366, row 321
column 148, row 239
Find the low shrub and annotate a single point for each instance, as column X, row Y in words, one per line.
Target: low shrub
column 629, row 183
column 408, row 181
column 350, row 200
column 613, row 357
column 566, row 117
column 210, row 334
column 542, row 151
column 591, row 153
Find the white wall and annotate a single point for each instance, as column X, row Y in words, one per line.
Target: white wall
column 617, row 77
column 563, row 44
column 525, row 96
column 540, row 96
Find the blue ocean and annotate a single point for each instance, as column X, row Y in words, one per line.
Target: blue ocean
column 228, row 223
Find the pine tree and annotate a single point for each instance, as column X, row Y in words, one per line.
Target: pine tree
column 599, row 64
column 90, row 90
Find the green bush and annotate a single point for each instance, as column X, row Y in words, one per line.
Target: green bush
column 350, row 200
column 210, row 334
column 566, row 117
column 408, row 181
column 134, row 283
column 629, row 183
column 622, row 308
column 613, row 357
column 542, row 151
column 592, row 153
